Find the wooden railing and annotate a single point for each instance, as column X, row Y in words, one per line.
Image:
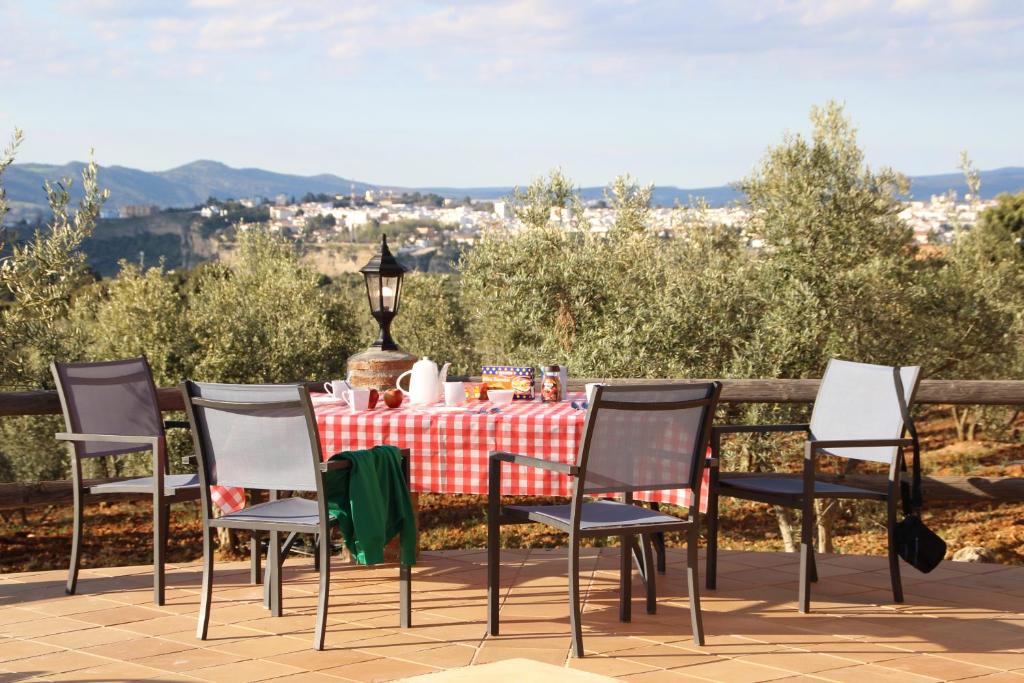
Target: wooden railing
column 931, row 391
column 734, row 391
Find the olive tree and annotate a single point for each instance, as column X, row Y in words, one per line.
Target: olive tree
column 37, row 282
column 262, row 317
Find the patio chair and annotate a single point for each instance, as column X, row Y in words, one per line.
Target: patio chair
column 860, row 413
column 264, row 437
column 636, row 438
column 110, row 408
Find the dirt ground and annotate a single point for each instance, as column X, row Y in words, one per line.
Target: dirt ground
column 121, row 533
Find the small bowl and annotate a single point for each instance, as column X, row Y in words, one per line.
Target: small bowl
column 500, row 397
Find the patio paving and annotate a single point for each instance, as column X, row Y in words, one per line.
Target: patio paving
column 962, row 621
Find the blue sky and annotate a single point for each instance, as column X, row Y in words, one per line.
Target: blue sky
column 495, row 93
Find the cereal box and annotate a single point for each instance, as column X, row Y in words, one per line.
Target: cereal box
column 518, row 379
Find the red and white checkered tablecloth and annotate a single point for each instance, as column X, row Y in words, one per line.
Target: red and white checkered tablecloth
column 449, row 451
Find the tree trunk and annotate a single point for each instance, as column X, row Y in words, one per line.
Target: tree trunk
column 785, row 519
column 826, row 512
column 960, row 417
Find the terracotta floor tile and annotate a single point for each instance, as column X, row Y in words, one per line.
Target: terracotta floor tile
column 249, row 670
column 187, row 660
column 87, row 637
column 45, row 627
column 734, row 671
column 20, row 649
column 937, row 667
column 119, row 671
column 798, row 662
column 328, row 658
column 121, row 614
column 445, row 657
column 54, row 662
column 549, row 656
column 874, row 674
column 665, row 656
column 609, row 666
column 131, row 650
column 380, row 670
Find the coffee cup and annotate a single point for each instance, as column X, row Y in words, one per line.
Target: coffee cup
column 454, row 393
column 356, row 399
column 337, row 388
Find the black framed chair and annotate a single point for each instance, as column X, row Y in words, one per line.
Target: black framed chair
column 264, row 437
column 861, row 412
column 110, row 409
column 636, row 438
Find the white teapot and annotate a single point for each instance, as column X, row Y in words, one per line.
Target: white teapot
column 426, row 383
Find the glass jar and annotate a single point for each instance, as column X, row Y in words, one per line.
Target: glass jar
column 551, row 384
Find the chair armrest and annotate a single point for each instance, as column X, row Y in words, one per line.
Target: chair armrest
column 759, row 429
column 176, row 424
column 857, row 443
column 564, row 468
column 334, row 465
column 109, row 438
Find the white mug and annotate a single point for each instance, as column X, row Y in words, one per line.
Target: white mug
column 337, row 388
column 454, row 393
column 356, row 399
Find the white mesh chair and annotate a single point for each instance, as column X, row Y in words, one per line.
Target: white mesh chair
column 636, row 438
column 858, row 414
column 110, row 408
column 264, row 437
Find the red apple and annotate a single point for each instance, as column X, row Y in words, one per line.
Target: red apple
column 393, row 398
column 373, row 398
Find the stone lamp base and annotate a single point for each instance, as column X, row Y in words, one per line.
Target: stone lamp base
column 377, row 369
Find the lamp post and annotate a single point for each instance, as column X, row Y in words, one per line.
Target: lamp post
column 379, row 366
column 383, row 276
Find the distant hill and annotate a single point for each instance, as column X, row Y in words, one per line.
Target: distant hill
column 192, row 183
column 183, row 186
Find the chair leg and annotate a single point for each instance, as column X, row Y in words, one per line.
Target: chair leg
column 711, row 561
column 76, row 541
column 273, row 577
column 574, row 596
column 626, row 577
column 404, row 596
column 652, row 591
column 812, row 569
column 659, row 546
column 659, row 543
column 894, row 560
column 323, row 553
column 255, row 557
column 159, row 548
column 207, row 590
column 316, row 553
column 806, row 554
column 693, row 584
column 494, row 547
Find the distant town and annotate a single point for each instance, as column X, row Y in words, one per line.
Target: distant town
column 425, row 221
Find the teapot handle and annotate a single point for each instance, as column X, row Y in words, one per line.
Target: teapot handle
column 398, row 382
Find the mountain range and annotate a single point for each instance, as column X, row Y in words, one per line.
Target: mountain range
column 193, row 183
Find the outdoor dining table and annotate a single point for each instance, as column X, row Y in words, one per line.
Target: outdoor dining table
column 449, row 447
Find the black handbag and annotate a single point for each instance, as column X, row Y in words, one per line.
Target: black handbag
column 919, row 546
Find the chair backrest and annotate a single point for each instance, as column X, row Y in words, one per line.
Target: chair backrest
column 859, row 401
column 108, row 397
column 260, row 436
column 646, row 437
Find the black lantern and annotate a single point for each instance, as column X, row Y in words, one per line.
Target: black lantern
column 384, row 288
